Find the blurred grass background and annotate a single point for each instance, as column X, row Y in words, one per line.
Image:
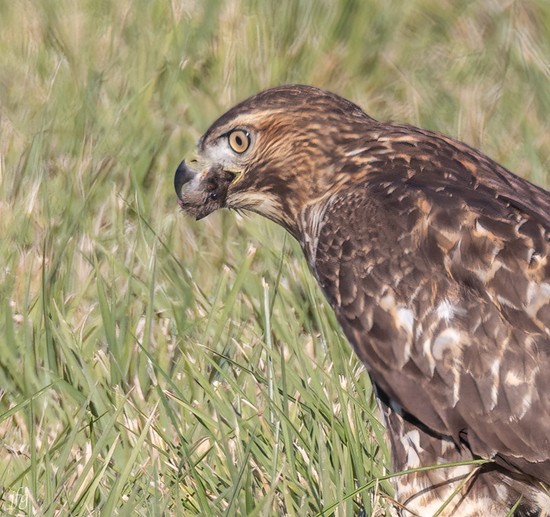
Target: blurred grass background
column 151, row 365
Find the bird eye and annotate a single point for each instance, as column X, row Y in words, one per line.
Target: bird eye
column 239, row 140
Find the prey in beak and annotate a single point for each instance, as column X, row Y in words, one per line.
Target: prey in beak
column 201, row 192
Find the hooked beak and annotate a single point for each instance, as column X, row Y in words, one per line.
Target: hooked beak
column 201, row 192
column 183, row 175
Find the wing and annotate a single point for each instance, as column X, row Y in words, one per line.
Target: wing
column 438, row 269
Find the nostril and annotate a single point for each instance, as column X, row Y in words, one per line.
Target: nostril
column 183, row 175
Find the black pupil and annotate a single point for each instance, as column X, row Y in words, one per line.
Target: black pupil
column 239, row 141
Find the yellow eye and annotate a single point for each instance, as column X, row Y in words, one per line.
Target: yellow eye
column 239, row 140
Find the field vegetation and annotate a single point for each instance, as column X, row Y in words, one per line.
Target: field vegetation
column 152, row 365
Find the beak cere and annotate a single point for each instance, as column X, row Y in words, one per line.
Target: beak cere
column 201, row 192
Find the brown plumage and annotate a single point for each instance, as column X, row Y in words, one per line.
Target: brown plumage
column 436, row 261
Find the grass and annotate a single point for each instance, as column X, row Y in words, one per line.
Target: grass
column 151, row 365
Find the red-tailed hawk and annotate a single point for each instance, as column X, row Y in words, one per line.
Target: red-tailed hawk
column 436, row 261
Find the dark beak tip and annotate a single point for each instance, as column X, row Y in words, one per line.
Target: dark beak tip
column 183, row 175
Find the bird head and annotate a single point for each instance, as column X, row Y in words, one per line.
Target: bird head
column 272, row 154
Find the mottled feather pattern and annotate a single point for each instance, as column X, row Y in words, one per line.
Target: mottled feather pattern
column 436, row 261
column 441, row 327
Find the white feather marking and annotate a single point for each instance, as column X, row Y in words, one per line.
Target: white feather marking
column 448, row 340
column 495, row 370
column 405, row 318
column 411, row 443
column 387, row 302
column 447, row 311
column 543, row 500
column 355, row 152
column 427, row 349
column 513, row 379
column 312, row 222
column 501, row 490
column 481, row 230
column 525, row 404
column 538, row 295
column 506, row 302
column 545, row 289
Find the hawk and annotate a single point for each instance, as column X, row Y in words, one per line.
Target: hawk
column 436, row 262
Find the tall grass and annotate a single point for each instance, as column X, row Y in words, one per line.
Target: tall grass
column 151, row 365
